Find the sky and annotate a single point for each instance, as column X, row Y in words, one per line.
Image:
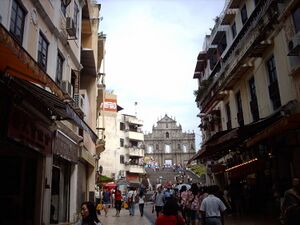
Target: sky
column 151, row 54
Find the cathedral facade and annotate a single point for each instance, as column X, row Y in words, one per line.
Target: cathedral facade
column 167, row 144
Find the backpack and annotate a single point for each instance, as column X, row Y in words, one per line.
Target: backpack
column 130, row 200
column 136, row 198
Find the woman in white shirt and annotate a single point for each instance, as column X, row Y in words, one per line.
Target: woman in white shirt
column 141, row 202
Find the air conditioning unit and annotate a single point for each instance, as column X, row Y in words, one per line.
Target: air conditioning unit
column 70, row 27
column 79, row 102
column 67, row 87
column 294, row 45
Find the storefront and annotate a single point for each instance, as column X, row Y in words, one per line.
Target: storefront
column 25, row 141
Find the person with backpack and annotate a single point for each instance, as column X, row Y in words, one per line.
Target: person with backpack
column 131, row 201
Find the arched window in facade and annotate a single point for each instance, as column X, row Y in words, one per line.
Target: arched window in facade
column 167, row 135
column 184, row 149
column 167, row 148
column 157, row 147
column 150, row 149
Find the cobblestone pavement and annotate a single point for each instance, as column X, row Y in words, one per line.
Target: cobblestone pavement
column 149, row 218
column 124, row 219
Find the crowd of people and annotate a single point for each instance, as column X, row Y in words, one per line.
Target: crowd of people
column 194, row 206
column 191, row 206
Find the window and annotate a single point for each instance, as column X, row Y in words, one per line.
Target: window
column 253, row 100
column 179, row 146
column 122, row 159
column 228, row 113
column 63, row 8
column 240, row 117
column 43, row 52
column 76, row 13
column 59, row 68
column 17, row 20
column 296, row 19
column 244, row 15
column 166, row 125
column 222, row 45
column 157, row 147
column 121, row 142
column 167, row 149
column 233, row 30
column 184, row 149
column 122, row 126
column 273, row 83
column 167, row 134
column 150, row 149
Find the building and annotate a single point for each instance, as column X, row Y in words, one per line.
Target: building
column 48, row 73
column 124, row 151
column 248, row 98
column 168, row 145
column 108, row 124
column 131, row 148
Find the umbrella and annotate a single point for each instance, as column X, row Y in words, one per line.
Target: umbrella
column 188, row 186
column 110, row 185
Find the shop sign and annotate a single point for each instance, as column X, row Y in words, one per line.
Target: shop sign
column 65, row 147
column 24, row 129
column 109, row 105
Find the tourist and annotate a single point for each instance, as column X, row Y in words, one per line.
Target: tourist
column 170, row 214
column 106, row 200
column 141, row 202
column 290, row 208
column 158, row 200
column 212, row 208
column 130, row 199
column 118, row 201
column 88, row 215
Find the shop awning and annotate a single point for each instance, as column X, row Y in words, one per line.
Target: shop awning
column 50, row 102
column 195, row 156
column 17, row 62
column 287, row 117
column 20, row 67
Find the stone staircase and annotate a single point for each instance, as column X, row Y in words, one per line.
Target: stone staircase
column 167, row 174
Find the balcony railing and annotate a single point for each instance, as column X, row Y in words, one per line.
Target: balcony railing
column 136, row 136
column 138, row 152
column 243, row 44
column 135, row 168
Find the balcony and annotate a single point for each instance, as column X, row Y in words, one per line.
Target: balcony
column 134, row 120
column 219, row 35
column 248, row 43
column 228, row 16
column 234, row 4
column 136, row 152
column 137, row 136
column 132, row 168
column 100, row 146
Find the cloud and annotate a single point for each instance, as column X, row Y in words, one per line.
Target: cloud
column 151, row 53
